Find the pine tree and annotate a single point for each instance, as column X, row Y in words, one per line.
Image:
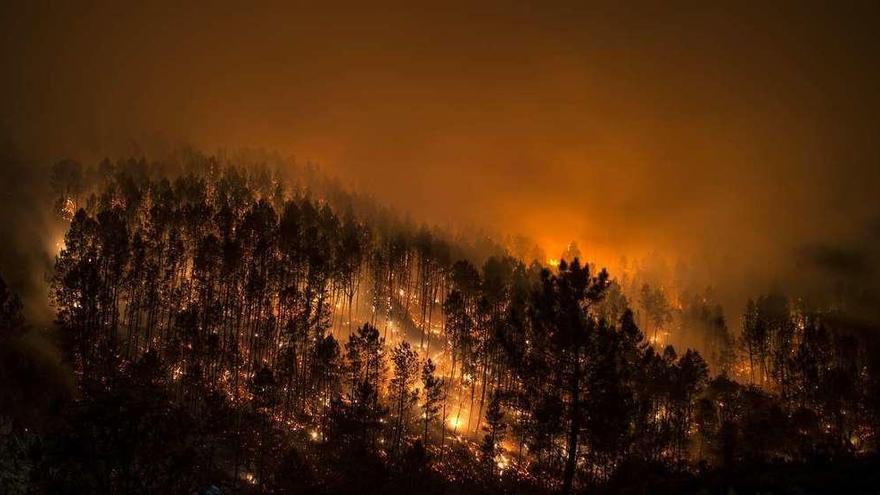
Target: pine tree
column 494, row 428
column 433, row 390
column 405, row 361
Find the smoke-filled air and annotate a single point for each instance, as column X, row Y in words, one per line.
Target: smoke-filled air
column 522, row 247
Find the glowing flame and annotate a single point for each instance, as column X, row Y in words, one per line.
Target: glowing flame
column 455, row 422
column 68, row 209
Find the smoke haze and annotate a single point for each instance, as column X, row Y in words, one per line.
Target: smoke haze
column 739, row 141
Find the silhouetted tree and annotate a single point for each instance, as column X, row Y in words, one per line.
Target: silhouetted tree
column 434, row 392
column 405, row 361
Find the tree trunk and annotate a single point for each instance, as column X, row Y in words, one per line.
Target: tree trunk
column 571, row 461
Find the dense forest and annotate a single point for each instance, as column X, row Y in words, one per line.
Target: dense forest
column 237, row 329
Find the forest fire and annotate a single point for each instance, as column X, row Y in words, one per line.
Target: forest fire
column 367, row 338
column 550, row 249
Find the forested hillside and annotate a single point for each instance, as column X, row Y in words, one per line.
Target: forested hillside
column 235, row 329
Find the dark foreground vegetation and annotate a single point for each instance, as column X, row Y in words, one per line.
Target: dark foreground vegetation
column 225, row 330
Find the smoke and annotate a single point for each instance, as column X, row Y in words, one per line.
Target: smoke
column 30, row 233
column 843, row 273
column 737, row 144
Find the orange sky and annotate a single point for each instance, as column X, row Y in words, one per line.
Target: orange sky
column 726, row 136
